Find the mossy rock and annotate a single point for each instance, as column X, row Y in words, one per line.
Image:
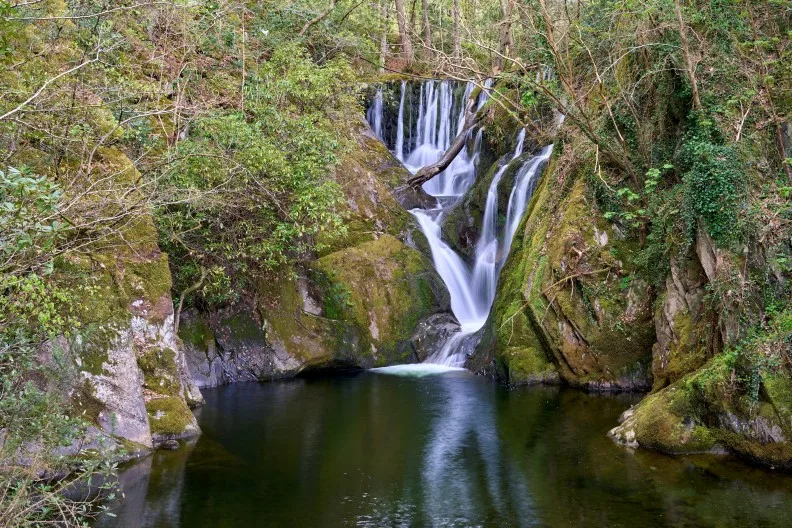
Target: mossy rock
column 305, row 337
column 569, row 291
column 382, row 287
column 706, row 411
column 368, row 174
column 169, row 417
column 196, row 332
column 160, row 372
column 667, row 421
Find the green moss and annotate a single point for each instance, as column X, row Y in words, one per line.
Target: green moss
column 529, row 365
column 197, row 333
column 778, row 389
column 160, row 372
column 367, row 174
column 242, row 327
column 95, row 342
column 561, row 292
column 168, row 416
column 382, row 286
column 667, row 421
column 687, row 353
column 151, row 279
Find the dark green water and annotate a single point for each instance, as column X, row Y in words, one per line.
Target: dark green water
column 443, row 450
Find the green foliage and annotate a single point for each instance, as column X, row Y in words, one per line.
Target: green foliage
column 713, row 184
column 35, row 411
column 633, row 210
column 739, row 372
column 8, row 31
column 29, row 226
column 256, row 186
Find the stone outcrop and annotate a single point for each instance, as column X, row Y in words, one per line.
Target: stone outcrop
column 570, row 306
column 714, row 388
column 133, row 382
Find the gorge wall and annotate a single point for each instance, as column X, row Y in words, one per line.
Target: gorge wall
column 576, row 305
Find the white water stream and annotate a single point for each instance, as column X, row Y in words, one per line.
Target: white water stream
column 472, row 287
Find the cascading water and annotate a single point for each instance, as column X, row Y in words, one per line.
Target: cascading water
column 374, row 114
column 472, row 288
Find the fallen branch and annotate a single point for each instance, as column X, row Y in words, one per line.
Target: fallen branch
column 430, row 171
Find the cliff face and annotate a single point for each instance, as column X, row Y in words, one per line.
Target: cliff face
column 357, row 305
column 569, row 305
column 132, row 379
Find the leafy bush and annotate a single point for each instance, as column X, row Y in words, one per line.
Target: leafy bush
column 713, row 181
column 253, row 188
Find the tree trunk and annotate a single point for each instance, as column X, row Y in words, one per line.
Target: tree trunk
column 384, row 36
column 457, row 42
column 430, row 171
column 691, row 68
column 426, row 27
column 404, row 33
column 505, row 43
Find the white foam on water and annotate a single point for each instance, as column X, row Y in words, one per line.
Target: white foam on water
column 417, row 370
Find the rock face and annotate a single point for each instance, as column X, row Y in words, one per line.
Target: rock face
column 715, row 390
column 569, row 304
column 703, row 413
column 133, row 383
column 359, row 304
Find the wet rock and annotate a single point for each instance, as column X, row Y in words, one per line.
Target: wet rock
column 432, row 333
column 169, row 445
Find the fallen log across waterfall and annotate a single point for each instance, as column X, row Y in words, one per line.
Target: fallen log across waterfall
column 472, row 118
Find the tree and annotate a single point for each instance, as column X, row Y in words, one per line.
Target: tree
column 383, row 35
column 404, row 34
column 457, row 45
column 426, row 27
column 505, row 41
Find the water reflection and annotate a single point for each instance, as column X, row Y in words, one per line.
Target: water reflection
column 464, row 472
column 440, row 450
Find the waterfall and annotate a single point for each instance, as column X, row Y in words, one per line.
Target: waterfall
column 400, row 124
column 472, row 287
column 524, row 184
column 484, row 94
column 374, row 114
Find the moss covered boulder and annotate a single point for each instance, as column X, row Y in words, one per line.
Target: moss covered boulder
column 374, row 186
column 739, row 401
column 384, row 288
column 125, row 348
column 569, row 304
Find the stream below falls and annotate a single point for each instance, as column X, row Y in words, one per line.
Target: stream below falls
column 442, row 450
